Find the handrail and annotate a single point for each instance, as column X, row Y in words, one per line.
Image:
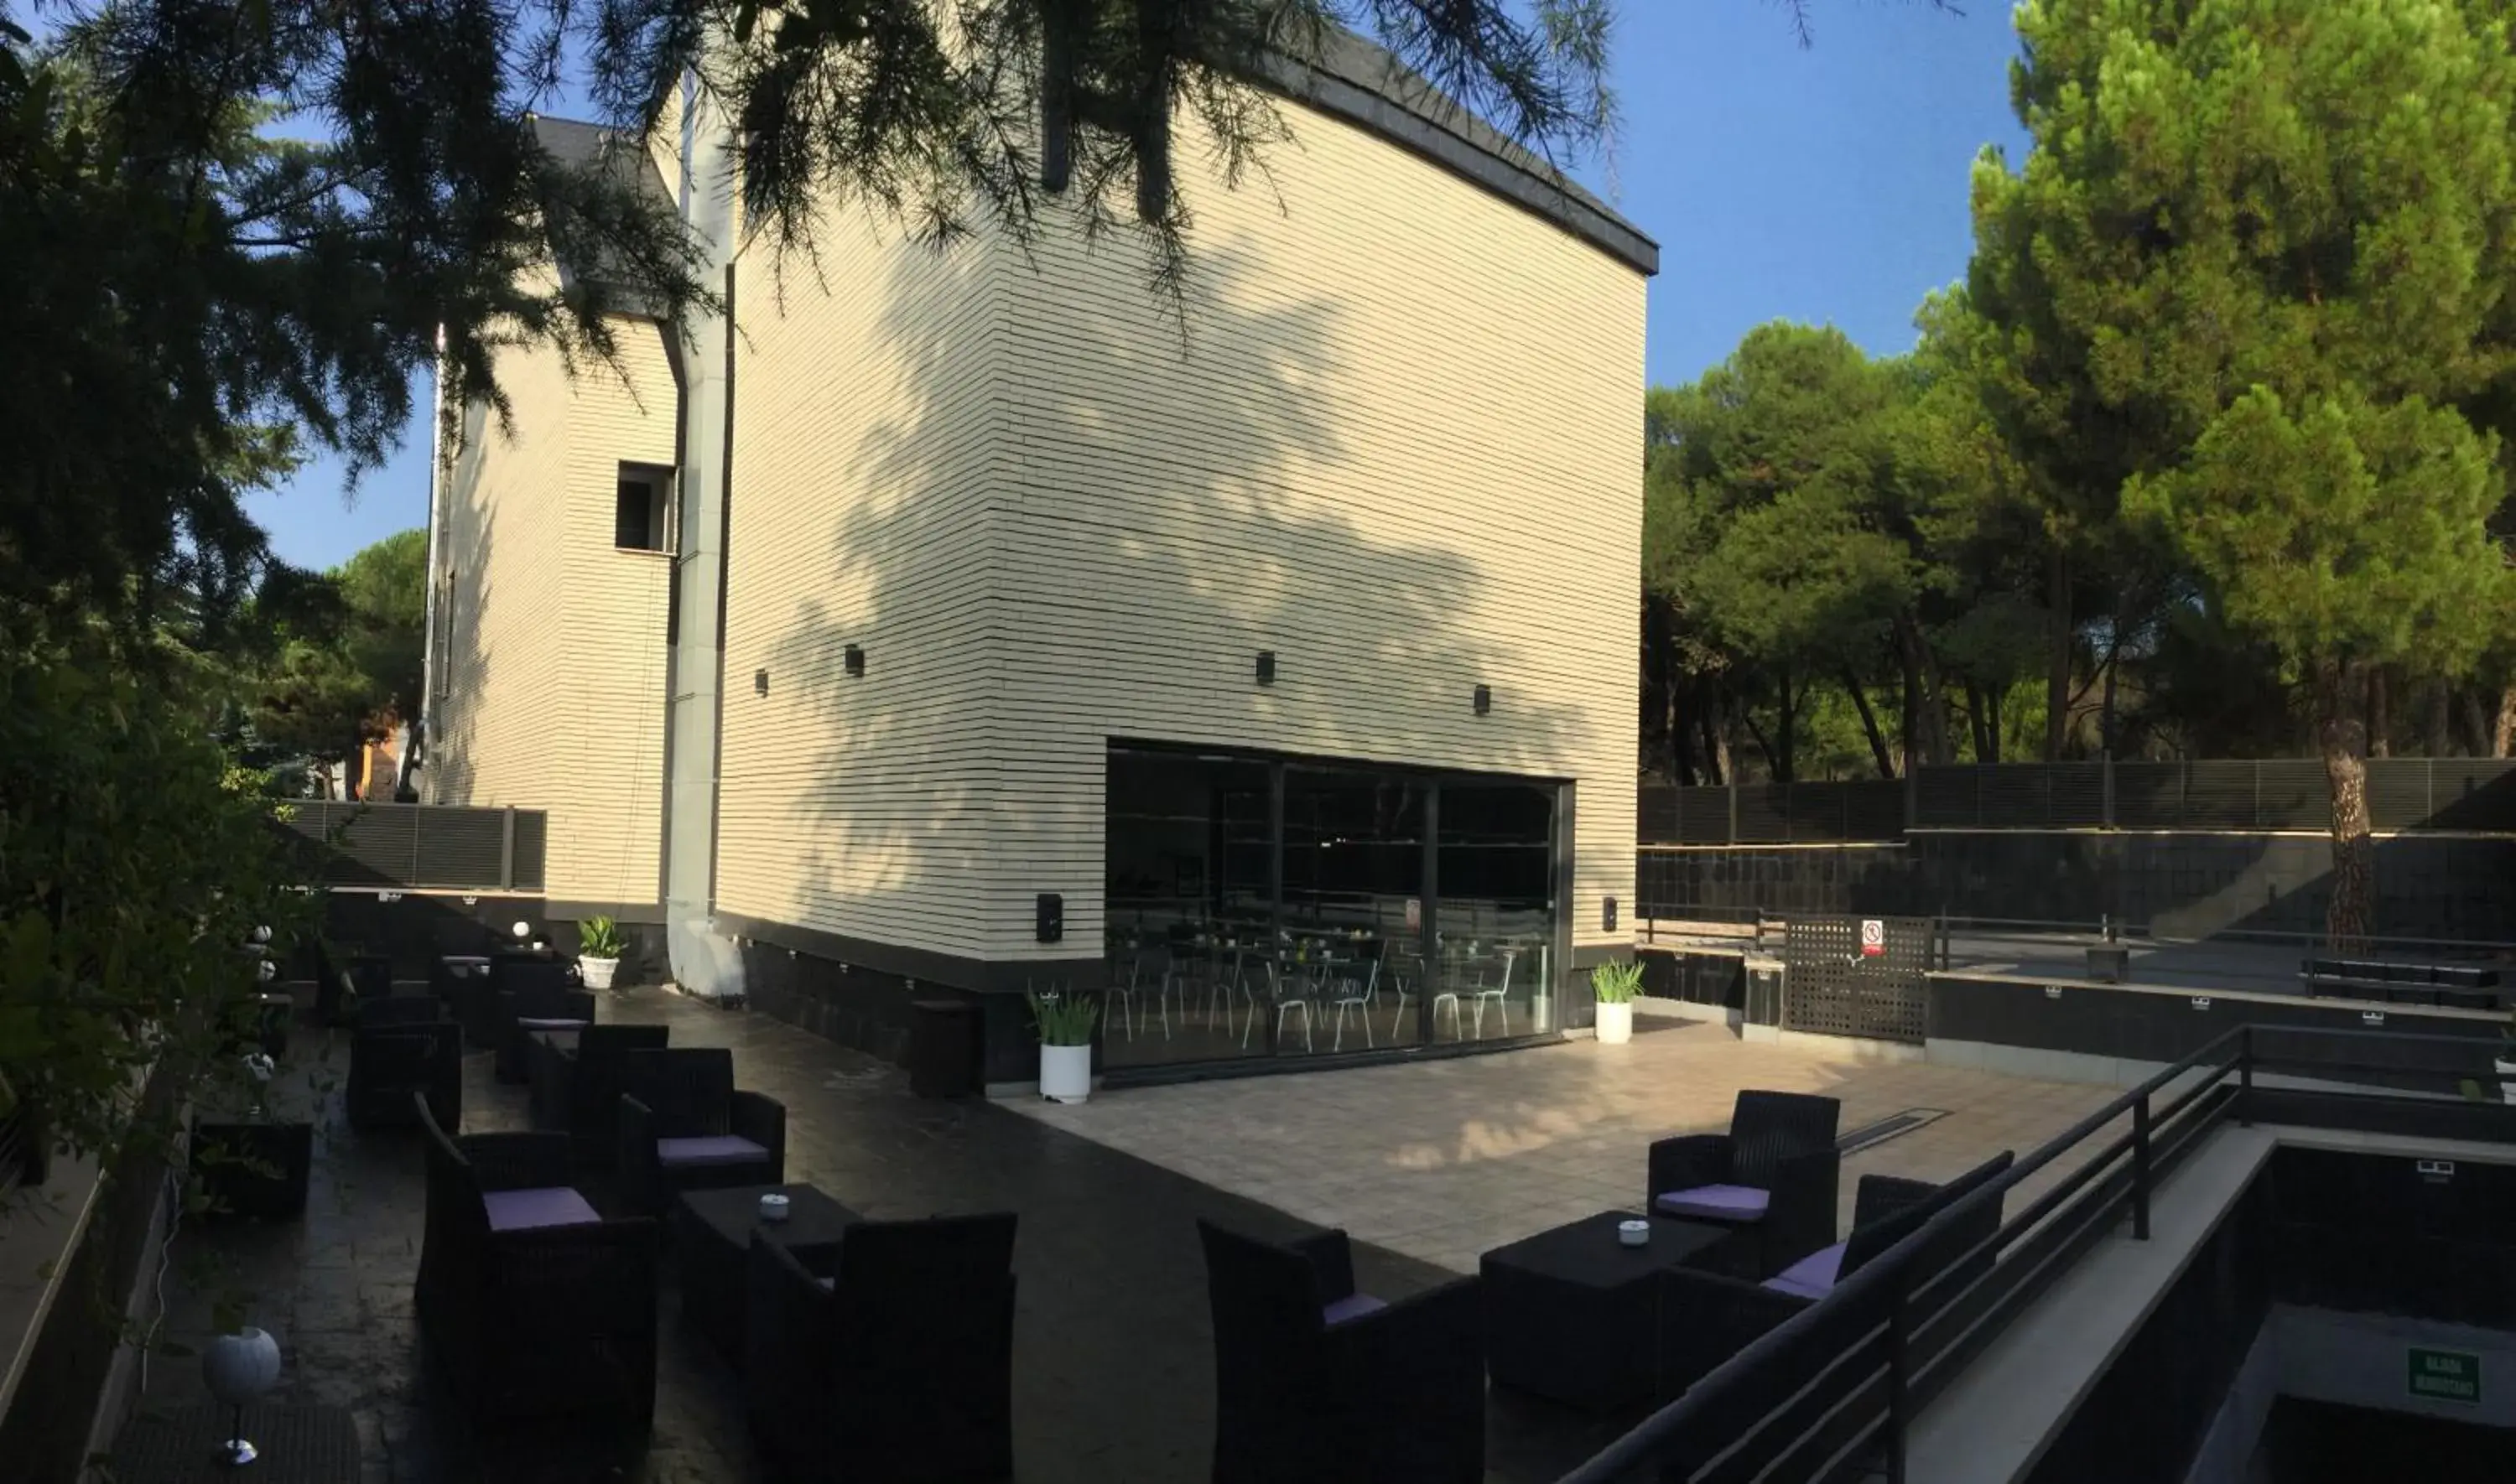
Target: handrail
column 1706, row 1420
column 1704, row 1400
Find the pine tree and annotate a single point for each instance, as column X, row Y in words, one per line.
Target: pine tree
column 2251, row 273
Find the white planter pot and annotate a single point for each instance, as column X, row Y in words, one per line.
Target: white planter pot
column 1616, row 1022
column 598, row 972
column 1066, row 1073
column 2506, row 1079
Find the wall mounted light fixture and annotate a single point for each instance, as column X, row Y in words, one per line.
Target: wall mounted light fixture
column 759, row 682
column 1607, row 916
column 1266, row 667
column 856, row 659
column 1484, row 699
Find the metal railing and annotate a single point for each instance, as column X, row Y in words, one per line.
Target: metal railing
column 2475, row 794
column 1843, row 1380
column 424, row 846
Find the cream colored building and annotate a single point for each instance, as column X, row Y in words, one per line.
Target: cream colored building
column 1278, row 663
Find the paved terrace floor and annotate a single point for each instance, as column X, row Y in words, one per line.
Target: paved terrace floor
column 1442, row 1161
column 1426, row 1165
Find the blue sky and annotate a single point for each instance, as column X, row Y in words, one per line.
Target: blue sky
column 1825, row 185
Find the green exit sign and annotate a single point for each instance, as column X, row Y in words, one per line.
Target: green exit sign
column 2445, row 1375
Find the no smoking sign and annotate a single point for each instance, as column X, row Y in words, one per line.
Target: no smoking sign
column 1873, row 938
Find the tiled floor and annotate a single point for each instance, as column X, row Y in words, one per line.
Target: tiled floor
column 1444, row 1160
column 1426, row 1165
column 1114, row 1356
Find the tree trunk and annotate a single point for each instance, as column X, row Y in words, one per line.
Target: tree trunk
column 1984, row 752
column 1869, row 724
column 2057, row 676
column 1909, row 731
column 1926, row 689
column 1785, row 734
column 2380, row 715
column 2502, row 736
column 2105, row 708
column 2344, row 739
column 2440, row 727
column 1716, row 735
column 1773, row 762
column 2476, row 722
column 1992, row 719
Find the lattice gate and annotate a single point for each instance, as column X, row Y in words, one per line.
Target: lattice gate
column 1830, row 986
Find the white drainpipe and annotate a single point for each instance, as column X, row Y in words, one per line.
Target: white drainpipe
column 704, row 961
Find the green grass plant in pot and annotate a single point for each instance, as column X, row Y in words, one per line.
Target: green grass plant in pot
column 1065, row 1021
column 1615, row 987
column 598, row 951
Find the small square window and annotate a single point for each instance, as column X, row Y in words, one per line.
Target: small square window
column 641, row 519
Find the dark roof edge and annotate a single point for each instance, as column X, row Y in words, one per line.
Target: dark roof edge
column 1360, row 83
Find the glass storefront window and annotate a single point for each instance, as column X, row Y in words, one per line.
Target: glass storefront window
column 1272, row 908
column 1495, row 942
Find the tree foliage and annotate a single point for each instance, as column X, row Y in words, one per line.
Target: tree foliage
column 2249, row 281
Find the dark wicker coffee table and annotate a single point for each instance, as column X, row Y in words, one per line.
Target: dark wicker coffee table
column 296, row 1445
column 1570, row 1312
column 712, row 1242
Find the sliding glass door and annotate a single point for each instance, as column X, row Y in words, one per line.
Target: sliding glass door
column 1262, row 906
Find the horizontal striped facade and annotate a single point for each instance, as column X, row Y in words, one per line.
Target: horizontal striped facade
column 1393, row 438
column 552, row 652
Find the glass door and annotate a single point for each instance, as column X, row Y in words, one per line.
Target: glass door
column 1190, row 880
column 1346, row 972
column 1493, row 948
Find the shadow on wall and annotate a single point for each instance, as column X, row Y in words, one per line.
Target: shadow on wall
column 1107, row 579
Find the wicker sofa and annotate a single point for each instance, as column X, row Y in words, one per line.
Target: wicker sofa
column 886, row 1354
column 1316, row 1383
column 532, row 1304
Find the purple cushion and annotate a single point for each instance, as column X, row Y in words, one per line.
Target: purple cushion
column 550, row 1206
column 1715, row 1202
column 718, row 1149
column 1812, row 1276
column 548, row 1023
column 1350, row 1307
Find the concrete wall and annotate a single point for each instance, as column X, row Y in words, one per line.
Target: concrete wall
column 552, row 671
column 1392, row 443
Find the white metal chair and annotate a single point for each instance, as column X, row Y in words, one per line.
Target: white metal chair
column 1359, row 996
column 1499, row 993
column 1286, row 988
column 1124, row 995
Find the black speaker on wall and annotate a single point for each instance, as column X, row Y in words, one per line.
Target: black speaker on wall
column 1052, row 918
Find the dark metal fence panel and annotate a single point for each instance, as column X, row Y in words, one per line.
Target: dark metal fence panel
column 2471, row 795
column 405, row 846
column 1703, row 816
column 2148, row 796
column 532, row 835
column 1837, row 982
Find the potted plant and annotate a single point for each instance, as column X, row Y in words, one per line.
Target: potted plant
column 1065, row 1022
column 1614, row 986
column 598, row 951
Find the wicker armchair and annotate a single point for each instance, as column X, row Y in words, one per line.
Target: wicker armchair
column 576, row 1085
column 683, row 1126
column 1705, row 1318
column 511, row 971
column 535, row 1306
column 537, row 1007
column 1318, row 1385
column 403, row 1046
column 886, row 1355
column 1775, row 1170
